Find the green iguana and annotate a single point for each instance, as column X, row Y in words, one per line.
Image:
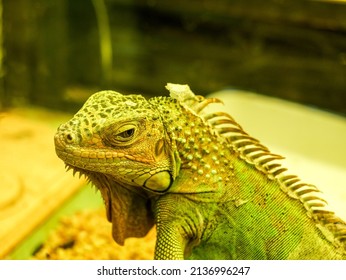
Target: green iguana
column 213, row 191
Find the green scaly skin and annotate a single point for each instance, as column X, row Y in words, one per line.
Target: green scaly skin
column 213, row 191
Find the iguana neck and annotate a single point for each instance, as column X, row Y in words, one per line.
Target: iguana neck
column 204, row 158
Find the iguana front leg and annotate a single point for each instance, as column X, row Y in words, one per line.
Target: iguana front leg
column 177, row 231
column 170, row 244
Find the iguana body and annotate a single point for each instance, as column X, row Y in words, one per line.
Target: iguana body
column 213, row 191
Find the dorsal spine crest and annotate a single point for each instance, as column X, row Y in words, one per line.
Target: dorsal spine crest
column 254, row 153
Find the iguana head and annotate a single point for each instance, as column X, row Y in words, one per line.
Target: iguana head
column 118, row 135
column 119, row 142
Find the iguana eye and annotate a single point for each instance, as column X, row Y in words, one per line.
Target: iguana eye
column 125, row 133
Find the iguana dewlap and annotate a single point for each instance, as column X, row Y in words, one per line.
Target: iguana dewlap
column 213, row 191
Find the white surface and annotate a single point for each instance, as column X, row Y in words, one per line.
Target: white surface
column 312, row 141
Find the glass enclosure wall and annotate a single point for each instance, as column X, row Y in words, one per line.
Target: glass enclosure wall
column 56, row 53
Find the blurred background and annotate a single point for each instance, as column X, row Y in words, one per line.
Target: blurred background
column 56, row 53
